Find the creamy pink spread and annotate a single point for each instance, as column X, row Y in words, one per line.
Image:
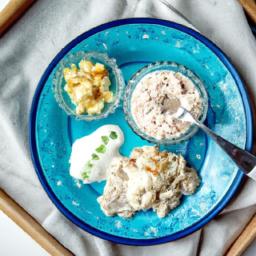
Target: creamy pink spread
column 149, row 106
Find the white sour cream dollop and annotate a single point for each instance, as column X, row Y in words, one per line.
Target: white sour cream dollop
column 92, row 154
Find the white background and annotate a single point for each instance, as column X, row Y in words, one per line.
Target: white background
column 15, row 242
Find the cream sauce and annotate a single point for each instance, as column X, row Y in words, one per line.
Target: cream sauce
column 92, row 154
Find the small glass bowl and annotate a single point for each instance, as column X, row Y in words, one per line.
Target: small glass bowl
column 164, row 65
column 115, row 75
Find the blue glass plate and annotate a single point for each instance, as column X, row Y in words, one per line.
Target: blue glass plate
column 134, row 43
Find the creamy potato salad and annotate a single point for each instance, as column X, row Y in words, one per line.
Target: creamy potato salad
column 147, row 179
column 88, row 87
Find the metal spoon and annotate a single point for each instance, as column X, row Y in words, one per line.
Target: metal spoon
column 244, row 160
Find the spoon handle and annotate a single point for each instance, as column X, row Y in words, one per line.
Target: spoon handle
column 245, row 160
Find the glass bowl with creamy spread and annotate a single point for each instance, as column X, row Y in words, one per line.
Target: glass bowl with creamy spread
column 88, row 85
column 147, row 96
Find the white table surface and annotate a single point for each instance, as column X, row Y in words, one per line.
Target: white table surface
column 15, row 242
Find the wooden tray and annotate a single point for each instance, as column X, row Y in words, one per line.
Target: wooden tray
column 53, row 247
column 243, row 241
column 11, row 12
column 7, row 16
column 31, row 226
column 250, row 7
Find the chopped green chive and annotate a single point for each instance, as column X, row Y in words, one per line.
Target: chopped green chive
column 113, row 135
column 85, row 175
column 87, row 170
column 101, row 149
column 105, row 139
column 90, row 165
column 95, row 157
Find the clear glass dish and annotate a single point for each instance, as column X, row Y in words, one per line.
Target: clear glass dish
column 164, row 65
column 115, row 75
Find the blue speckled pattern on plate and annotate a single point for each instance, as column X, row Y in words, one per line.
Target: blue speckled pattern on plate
column 134, row 43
